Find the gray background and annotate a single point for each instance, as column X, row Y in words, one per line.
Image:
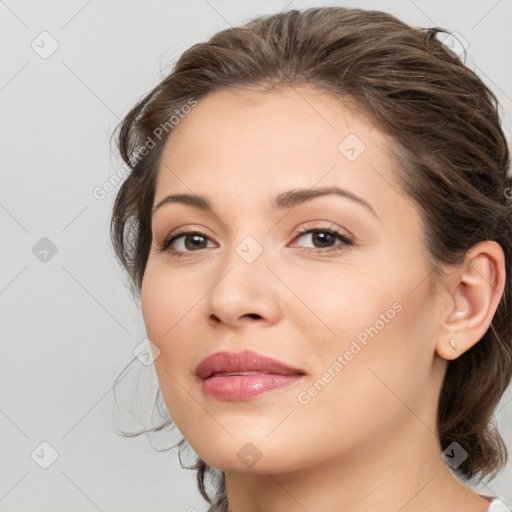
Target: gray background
column 69, row 325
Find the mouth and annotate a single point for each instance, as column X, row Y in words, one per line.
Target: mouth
column 244, row 375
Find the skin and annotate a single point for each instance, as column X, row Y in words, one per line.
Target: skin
column 367, row 440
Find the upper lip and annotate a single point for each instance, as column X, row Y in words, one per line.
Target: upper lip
column 247, row 361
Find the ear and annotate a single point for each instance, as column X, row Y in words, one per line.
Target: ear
column 475, row 290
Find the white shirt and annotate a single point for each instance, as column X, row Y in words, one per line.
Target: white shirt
column 496, row 504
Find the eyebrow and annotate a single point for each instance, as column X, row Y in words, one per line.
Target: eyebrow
column 284, row 200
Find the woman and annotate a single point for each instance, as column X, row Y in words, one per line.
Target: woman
column 318, row 222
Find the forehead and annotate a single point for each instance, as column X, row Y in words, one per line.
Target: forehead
column 293, row 121
column 236, row 144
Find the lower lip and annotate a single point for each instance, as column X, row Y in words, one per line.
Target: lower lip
column 246, row 387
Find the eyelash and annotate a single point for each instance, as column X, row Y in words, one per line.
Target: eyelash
column 346, row 242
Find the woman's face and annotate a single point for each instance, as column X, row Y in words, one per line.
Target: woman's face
column 349, row 316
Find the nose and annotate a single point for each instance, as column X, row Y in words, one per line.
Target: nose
column 245, row 294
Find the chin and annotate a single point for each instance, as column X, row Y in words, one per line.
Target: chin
column 247, row 453
column 251, row 461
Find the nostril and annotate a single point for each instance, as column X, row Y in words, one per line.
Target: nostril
column 216, row 319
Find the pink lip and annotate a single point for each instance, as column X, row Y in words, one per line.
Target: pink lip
column 270, row 374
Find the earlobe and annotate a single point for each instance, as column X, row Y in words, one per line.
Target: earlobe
column 477, row 289
column 448, row 348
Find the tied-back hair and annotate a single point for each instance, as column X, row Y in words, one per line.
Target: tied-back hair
column 452, row 161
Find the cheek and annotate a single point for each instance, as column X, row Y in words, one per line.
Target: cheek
column 384, row 365
column 378, row 314
column 165, row 299
column 165, row 304
column 156, row 307
column 337, row 300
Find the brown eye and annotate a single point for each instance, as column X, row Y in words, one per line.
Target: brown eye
column 188, row 242
column 324, row 238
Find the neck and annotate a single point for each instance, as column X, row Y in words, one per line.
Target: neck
column 396, row 473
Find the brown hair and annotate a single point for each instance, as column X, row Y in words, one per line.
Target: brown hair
column 452, row 154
